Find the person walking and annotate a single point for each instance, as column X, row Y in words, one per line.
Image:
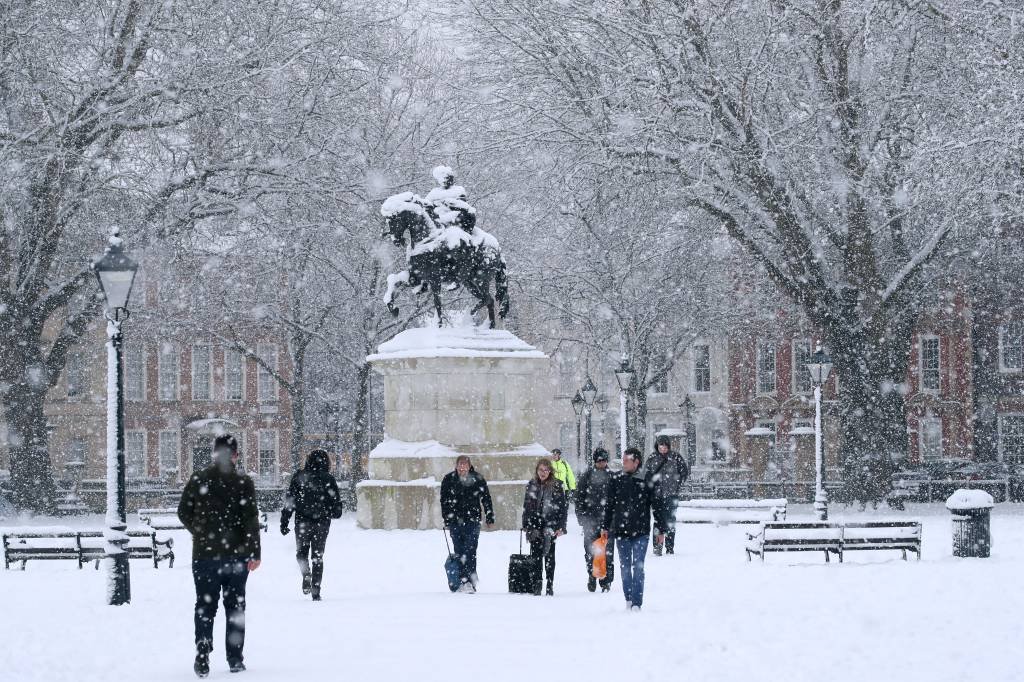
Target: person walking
column 463, row 493
column 666, row 472
column 545, row 510
column 218, row 507
column 591, row 501
column 627, row 519
column 314, row 498
column 563, row 472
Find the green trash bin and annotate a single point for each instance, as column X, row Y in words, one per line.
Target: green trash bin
column 971, row 515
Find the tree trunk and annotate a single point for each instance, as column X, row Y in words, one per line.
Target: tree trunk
column 360, row 426
column 32, row 485
column 636, row 416
column 298, row 395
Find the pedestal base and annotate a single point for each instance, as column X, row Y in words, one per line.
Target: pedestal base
column 389, row 505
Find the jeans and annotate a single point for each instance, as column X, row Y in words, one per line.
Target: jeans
column 591, row 532
column 311, row 538
column 212, row 577
column 542, row 544
column 632, row 552
column 668, row 511
column 465, row 539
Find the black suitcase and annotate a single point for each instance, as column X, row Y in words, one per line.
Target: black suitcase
column 523, row 572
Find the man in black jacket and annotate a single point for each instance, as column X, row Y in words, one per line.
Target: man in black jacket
column 591, row 502
column 218, row 507
column 627, row 519
column 313, row 497
column 665, row 475
column 463, row 492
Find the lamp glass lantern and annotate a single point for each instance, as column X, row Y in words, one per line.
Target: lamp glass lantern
column 116, row 274
column 624, row 375
column 577, row 404
column 820, row 367
column 589, row 391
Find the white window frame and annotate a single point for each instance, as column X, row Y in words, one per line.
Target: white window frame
column 263, row 351
column 797, row 390
column 242, row 362
column 660, row 387
column 717, row 446
column 1003, row 367
column 922, row 339
column 139, row 352
column 76, row 375
column 693, row 379
column 160, row 360
column 923, row 425
column 209, row 371
column 1000, row 423
column 161, row 439
column 775, row 367
column 274, row 476
column 127, row 456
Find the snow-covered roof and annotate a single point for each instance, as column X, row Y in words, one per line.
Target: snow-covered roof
column 963, row 500
column 759, row 431
column 464, row 342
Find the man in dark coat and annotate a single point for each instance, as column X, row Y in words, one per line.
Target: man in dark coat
column 665, row 474
column 218, row 507
column 463, row 493
column 313, row 497
column 627, row 519
column 591, row 502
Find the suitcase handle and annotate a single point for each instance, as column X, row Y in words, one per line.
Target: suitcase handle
column 445, row 531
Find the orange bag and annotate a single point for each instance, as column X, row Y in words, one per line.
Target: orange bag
column 600, row 551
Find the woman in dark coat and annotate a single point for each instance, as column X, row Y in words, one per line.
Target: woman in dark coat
column 544, row 516
column 314, row 499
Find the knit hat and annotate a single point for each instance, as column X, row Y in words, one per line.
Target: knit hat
column 600, row 455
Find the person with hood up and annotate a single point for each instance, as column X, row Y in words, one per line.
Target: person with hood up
column 591, row 501
column 665, row 474
column 545, row 509
column 314, row 498
column 463, row 493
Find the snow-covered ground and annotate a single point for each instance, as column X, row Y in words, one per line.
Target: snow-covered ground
column 387, row 614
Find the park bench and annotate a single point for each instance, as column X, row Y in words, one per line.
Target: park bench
column 167, row 519
column 723, row 512
column 836, row 538
column 34, row 544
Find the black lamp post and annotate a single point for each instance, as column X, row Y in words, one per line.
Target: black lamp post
column 589, row 393
column 624, row 376
column 577, row 407
column 116, row 274
column 691, row 430
column 819, row 367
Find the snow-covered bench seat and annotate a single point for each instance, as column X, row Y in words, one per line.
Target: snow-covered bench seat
column 823, row 536
column 723, row 512
column 167, row 519
column 34, row 544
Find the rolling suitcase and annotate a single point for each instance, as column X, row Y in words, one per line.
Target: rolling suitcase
column 452, row 567
column 523, row 571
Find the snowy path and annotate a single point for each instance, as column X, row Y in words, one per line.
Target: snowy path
column 387, row 615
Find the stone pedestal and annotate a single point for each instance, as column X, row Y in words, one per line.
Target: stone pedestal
column 450, row 392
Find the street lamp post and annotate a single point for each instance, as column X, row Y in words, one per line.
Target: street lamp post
column 577, row 407
column 819, row 367
column 116, row 274
column 624, row 376
column 690, row 429
column 589, row 393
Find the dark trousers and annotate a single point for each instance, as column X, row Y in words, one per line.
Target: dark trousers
column 591, row 532
column 632, row 553
column 311, row 539
column 542, row 544
column 668, row 511
column 465, row 539
column 212, row 577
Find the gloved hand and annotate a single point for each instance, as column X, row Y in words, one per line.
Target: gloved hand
column 284, row 529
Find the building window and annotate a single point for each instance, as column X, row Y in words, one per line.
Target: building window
column 929, row 432
column 201, row 373
column 769, row 425
column 1011, row 346
column 170, row 447
column 660, row 385
column 765, row 367
column 168, row 371
column 801, row 375
column 76, row 374
column 701, row 368
column 135, row 454
column 135, row 373
column 77, row 451
column 268, row 456
column 234, row 375
column 266, row 386
column 930, row 363
column 1011, row 438
column 718, row 445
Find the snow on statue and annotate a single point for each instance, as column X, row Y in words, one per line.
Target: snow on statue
column 445, row 248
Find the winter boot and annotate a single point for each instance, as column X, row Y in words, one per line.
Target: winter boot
column 307, row 583
column 236, row 667
column 591, row 584
column 202, row 665
column 316, row 592
column 551, row 589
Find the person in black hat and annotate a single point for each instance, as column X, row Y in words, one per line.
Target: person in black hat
column 665, row 474
column 218, row 507
column 591, row 501
column 314, row 498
